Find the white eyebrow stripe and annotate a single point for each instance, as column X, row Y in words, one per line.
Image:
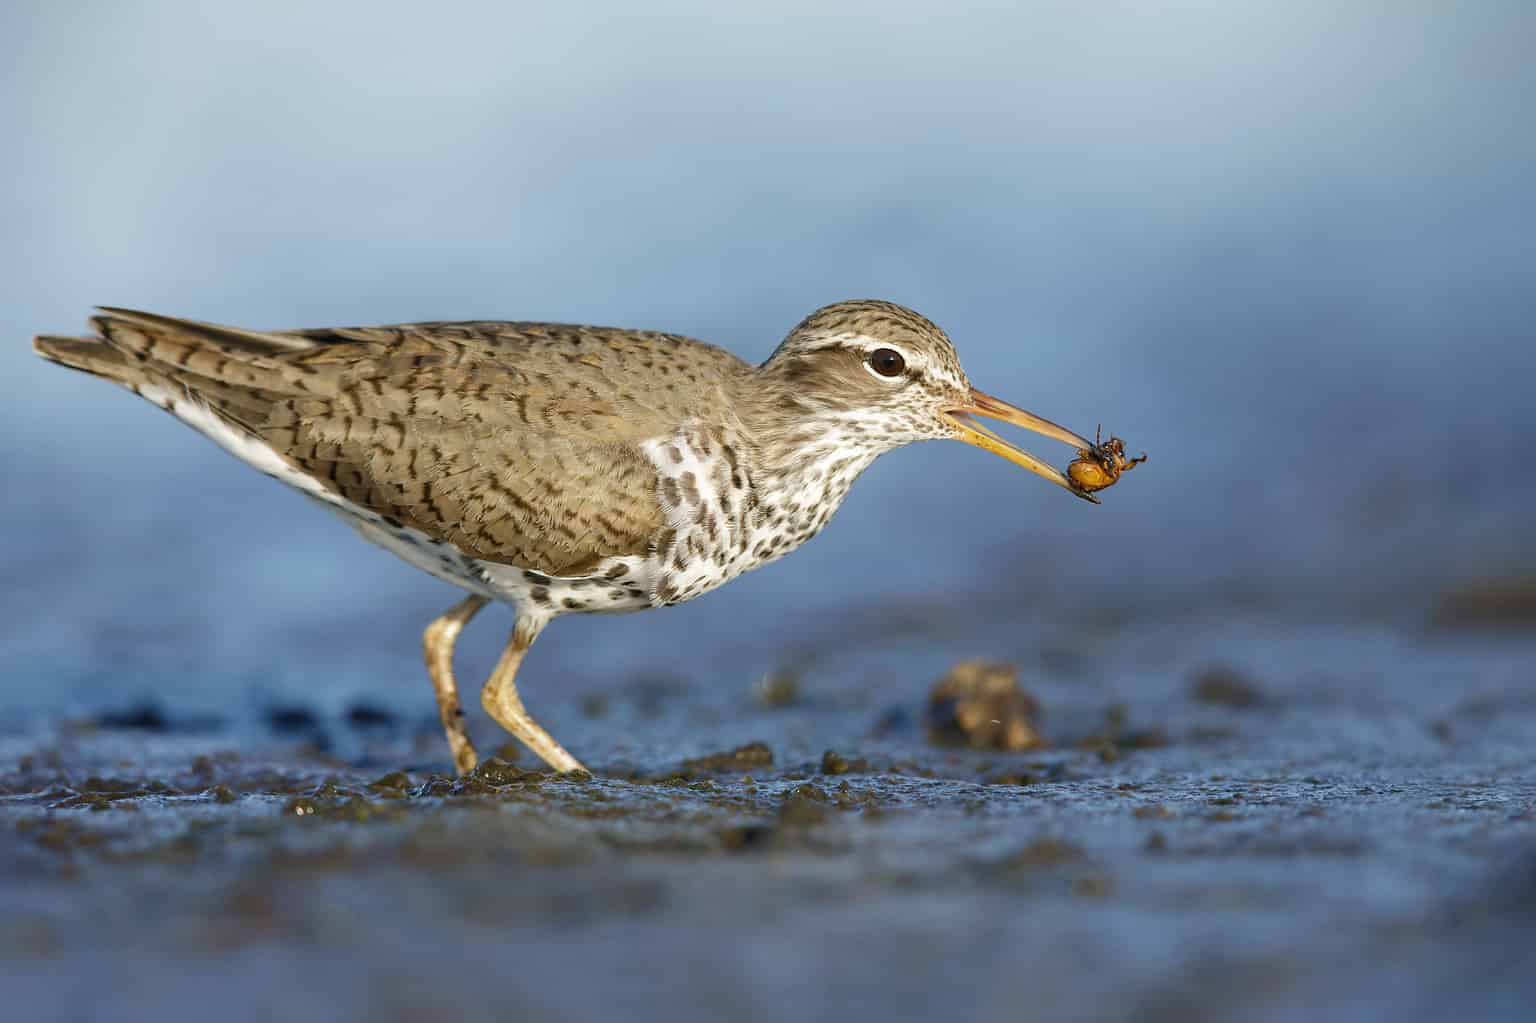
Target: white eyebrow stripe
column 865, row 343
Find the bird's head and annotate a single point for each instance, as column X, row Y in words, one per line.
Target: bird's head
column 889, row 376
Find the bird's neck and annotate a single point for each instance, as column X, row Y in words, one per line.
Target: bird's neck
column 804, row 457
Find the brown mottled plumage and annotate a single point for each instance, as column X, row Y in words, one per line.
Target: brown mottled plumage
column 558, row 468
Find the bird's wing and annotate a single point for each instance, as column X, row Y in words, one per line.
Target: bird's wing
column 518, row 443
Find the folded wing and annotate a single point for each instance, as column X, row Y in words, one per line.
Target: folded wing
column 518, row 443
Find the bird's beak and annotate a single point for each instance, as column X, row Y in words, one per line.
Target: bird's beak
column 973, row 432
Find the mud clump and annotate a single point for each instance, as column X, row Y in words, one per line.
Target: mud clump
column 835, row 763
column 1044, row 853
column 492, row 776
column 368, row 717
column 1117, row 737
column 60, row 835
column 805, row 807
column 745, row 838
column 394, row 785
column 798, row 819
column 1225, row 687
column 292, row 719
column 980, row 705
column 95, row 793
column 777, row 689
column 1157, row 811
column 334, row 801
column 1049, row 862
column 742, row 758
column 1491, row 603
column 496, row 771
column 146, row 717
column 153, row 719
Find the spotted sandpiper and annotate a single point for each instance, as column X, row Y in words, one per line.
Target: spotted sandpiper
column 560, row 469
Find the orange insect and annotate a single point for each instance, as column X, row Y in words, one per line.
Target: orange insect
column 1100, row 466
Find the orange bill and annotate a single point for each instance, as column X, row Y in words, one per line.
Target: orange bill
column 975, row 433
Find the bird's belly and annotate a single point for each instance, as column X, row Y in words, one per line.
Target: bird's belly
column 442, row 560
column 616, row 585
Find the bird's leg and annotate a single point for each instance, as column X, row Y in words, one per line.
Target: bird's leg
column 438, row 642
column 500, row 699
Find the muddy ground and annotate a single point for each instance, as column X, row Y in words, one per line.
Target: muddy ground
column 1230, row 819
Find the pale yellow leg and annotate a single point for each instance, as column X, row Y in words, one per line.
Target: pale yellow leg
column 438, row 642
column 500, row 699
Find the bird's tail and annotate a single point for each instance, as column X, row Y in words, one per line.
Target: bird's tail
column 88, row 354
column 237, row 373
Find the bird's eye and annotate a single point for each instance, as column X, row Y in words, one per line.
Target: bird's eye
column 887, row 362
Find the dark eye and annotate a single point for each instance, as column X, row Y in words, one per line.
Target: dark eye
column 887, row 362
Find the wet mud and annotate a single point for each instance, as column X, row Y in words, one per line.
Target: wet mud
column 1177, row 840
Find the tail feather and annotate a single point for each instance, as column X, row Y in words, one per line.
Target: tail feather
column 240, row 375
column 231, row 339
column 87, row 354
column 200, row 355
column 243, row 406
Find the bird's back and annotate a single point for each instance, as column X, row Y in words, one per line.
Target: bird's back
column 519, row 444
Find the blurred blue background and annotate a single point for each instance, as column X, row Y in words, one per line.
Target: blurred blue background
column 1286, row 248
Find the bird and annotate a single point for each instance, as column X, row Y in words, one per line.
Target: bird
column 558, row 468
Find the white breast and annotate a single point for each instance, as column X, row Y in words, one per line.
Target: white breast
column 725, row 515
column 706, row 497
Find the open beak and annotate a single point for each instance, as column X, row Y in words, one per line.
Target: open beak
column 973, row 432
